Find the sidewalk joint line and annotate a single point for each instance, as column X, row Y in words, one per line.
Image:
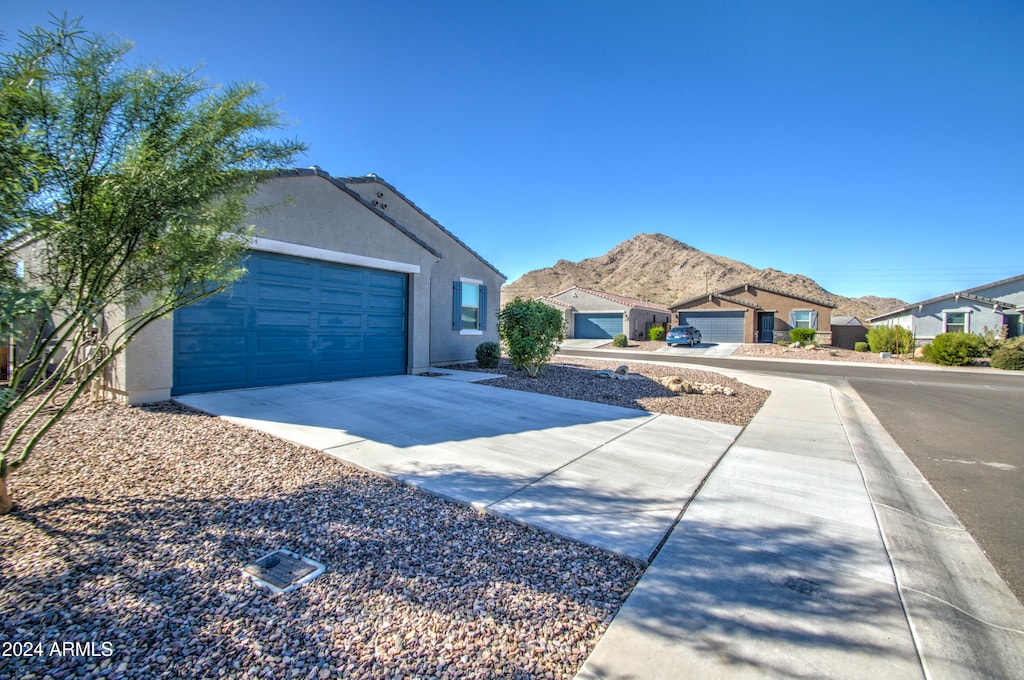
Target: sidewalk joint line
column 570, row 462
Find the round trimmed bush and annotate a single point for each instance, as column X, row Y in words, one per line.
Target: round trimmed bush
column 954, row 349
column 805, row 336
column 860, row 347
column 1008, row 358
column 488, row 354
column 657, row 333
column 620, row 340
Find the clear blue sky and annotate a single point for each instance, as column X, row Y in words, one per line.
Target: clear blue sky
column 877, row 147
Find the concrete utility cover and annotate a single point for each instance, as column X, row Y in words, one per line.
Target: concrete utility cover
column 282, row 570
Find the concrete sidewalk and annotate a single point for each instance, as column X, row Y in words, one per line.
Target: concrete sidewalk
column 612, row 477
column 805, row 545
column 815, row 549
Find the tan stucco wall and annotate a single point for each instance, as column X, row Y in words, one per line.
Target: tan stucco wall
column 780, row 305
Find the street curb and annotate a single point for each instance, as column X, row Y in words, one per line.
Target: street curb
column 965, row 620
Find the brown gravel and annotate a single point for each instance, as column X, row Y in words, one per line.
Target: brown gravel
column 133, row 524
column 766, row 351
column 575, row 378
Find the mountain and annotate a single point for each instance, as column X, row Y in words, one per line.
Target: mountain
column 663, row 270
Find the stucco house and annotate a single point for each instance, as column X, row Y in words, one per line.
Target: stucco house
column 346, row 278
column 594, row 314
column 753, row 313
column 992, row 306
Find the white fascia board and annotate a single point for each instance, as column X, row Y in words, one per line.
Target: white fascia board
column 284, row 248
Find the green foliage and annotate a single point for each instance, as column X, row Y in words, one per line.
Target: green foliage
column 860, row 347
column 1009, row 358
column 954, row 349
column 993, row 339
column 620, row 340
column 657, row 333
column 783, row 343
column 895, row 339
column 530, row 331
column 804, row 336
column 132, row 182
column 488, row 354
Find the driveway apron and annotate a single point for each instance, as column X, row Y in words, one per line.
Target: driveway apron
column 608, row 476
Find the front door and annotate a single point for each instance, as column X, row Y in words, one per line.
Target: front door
column 766, row 327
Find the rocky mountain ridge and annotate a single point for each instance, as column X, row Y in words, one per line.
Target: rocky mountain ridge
column 665, row 271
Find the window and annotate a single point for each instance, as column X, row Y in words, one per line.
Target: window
column 956, row 322
column 807, row 318
column 469, row 307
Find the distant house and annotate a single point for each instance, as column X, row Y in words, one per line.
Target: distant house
column 992, row 306
column 595, row 315
column 847, row 331
column 753, row 313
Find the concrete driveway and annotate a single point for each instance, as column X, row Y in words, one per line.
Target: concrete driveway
column 707, row 349
column 612, row 477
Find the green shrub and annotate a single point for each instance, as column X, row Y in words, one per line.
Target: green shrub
column 620, row 340
column 804, row 336
column 783, row 343
column 994, row 339
column 657, row 333
column 488, row 354
column 860, row 347
column 895, row 339
column 1009, row 358
column 954, row 349
column 531, row 331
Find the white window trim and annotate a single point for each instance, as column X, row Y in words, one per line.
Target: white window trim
column 470, row 331
column 463, row 279
column 284, row 248
column 967, row 319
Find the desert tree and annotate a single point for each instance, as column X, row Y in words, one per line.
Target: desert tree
column 123, row 198
column 530, row 331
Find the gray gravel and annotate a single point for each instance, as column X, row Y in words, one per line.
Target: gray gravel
column 575, row 378
column 133, row 524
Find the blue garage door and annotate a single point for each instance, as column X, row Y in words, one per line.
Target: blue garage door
column 598, row 326
column 292, row 320
column 715, row 326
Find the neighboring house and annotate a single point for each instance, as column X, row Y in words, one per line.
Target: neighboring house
column 597, row 315
column 847, row 331
column 347, row 278
column 753, row 313
column 993, row 306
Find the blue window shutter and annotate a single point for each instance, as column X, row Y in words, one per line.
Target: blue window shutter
column 457, row 306
column 482, row 323
column 792, row 319
column 814, row 318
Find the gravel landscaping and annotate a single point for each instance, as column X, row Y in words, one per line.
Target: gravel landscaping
column 123, row 560
column 576, row 378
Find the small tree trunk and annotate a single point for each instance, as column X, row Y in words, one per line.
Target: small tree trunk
column 5, row 499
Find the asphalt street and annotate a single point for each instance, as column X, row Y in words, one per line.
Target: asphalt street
column 961, row 428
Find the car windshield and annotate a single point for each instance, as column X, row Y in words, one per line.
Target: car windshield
column 680, row 329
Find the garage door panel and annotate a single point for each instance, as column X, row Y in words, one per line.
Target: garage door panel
column 292, row 268
column 282, row 343
column 347, row 277
column 203, row 344
column 381, row 322
column 275, row 318
column 278, row 372
column 349, row 299
column 340, row 321
column 267, row 292
column 215, row 316
column 385, row 303
column 197, row 377
column 292, row 320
